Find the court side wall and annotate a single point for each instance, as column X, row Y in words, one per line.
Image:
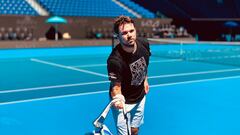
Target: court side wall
column 77, row 27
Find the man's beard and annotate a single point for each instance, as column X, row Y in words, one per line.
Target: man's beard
column 129, row 45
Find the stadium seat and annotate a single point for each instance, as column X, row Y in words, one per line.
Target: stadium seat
column 16, row 7
column 97, row 8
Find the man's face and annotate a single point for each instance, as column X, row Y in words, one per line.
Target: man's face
column 127, row 34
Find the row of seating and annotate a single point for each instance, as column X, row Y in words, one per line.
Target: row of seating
column 99, row 8
column 137, row 8
column 16, row 33
column 194, row 8
column 16, row 7
column 104, row 33
column 212, row 9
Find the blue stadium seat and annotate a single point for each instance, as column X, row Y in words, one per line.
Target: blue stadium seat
column 98, row 8
column 137, row 8
column 16, row 7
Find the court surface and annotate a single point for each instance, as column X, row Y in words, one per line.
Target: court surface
column 60, row 91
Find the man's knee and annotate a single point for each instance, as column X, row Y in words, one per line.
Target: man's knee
column 134, row 131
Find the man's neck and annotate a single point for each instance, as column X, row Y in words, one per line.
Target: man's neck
column 130, row 49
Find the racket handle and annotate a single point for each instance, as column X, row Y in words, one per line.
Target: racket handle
column 99, row 121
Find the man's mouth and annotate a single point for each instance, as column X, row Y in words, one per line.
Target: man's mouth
column 131, row 40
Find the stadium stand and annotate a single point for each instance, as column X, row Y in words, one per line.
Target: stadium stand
column 96, row 8
column 194, row 9
column 15, row 33
column 92, row 8
column 137, row 8
column 209, row 9
column 16, row 7
column 86, row 9
column 170, row 31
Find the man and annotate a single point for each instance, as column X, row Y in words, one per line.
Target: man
column 127, row 70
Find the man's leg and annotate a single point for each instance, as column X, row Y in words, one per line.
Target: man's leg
column 121, row 121
column 134, row 131
column 136, row 111
column 137, row 115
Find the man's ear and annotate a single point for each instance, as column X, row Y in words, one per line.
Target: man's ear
column 115, row 35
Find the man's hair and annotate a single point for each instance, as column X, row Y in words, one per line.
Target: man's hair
column 120, row 21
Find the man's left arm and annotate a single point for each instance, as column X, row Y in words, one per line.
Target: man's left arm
column 146, row 85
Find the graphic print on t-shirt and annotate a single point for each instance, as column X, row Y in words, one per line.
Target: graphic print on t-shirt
column 139, row 71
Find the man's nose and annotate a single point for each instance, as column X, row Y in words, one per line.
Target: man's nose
column 129, row 35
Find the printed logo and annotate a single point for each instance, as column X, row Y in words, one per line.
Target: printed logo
column 112, row 76
column 139, row 71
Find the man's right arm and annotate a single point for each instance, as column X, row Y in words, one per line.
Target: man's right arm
column 114, row 73
column 116, row 91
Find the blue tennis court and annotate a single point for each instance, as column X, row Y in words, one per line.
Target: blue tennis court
column 60, row 91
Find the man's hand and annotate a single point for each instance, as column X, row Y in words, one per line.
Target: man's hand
column 117, row 94
column 120, row 103
column 146, row 86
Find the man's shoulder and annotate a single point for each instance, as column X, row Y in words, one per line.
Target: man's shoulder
column 142, row 40
column 115, row 54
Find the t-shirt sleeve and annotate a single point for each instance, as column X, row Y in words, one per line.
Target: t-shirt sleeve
column 114, row 71
column 146, row 45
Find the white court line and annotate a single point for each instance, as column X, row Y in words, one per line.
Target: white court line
column 195, row 81
column 106, row 91
column 51, row 87
column 68, row 67
column 102, row 65
column 194, row 73
column 91, row 65
column 54, row 97
column 101, row 82
column 163, row 61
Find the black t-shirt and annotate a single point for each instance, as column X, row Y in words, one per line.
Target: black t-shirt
column 130, row 69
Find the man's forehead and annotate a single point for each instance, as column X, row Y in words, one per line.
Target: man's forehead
column 126, row 26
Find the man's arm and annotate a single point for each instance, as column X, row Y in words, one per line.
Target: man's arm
column 146, row 85
column 116, row 91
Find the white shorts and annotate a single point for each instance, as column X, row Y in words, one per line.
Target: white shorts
column 135, row 117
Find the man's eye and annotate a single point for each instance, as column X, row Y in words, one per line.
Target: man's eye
column 131, row 31
column 124, row 33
